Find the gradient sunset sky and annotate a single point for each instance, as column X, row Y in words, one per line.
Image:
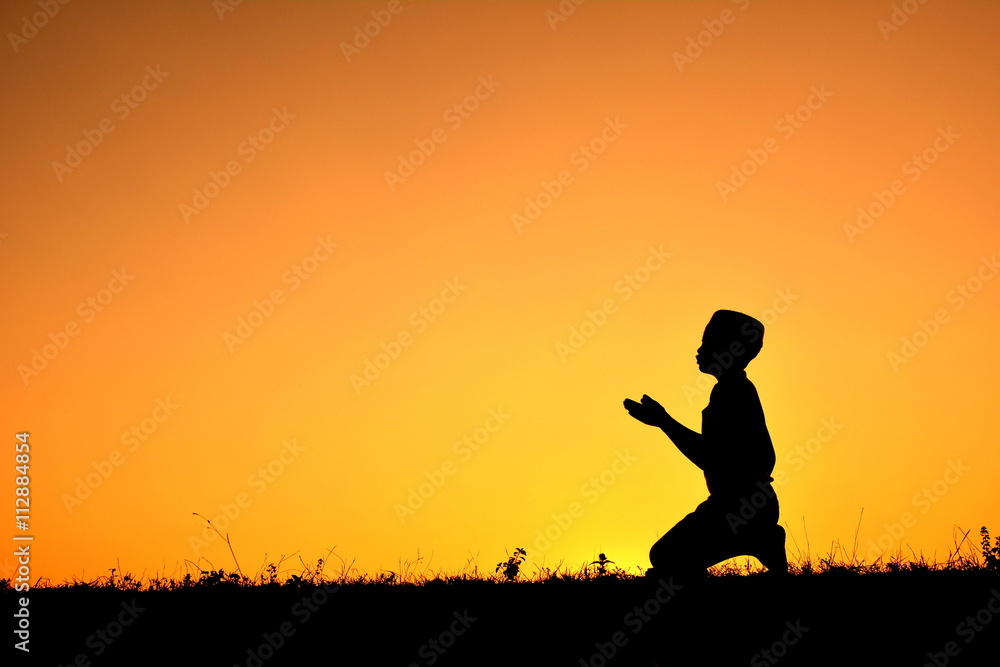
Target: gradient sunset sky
column 376, row 277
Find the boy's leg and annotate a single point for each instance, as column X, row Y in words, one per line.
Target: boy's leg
column 704, row 537
column 762, row 537
column 672, row 555
column 698, row 541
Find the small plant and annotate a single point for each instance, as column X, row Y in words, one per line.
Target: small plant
column 225, row 538
column 295, row 581
column 127, row 582
column 311, row 575
column 602, row 563
column 161, row 584
column 512, row 567
column 219, row 578
column 991, row 554
column 831, row 566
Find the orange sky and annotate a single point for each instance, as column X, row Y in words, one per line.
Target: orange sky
column 384, row 294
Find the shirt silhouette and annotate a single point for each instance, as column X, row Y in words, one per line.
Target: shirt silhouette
column 737, row 449
column 734, row 449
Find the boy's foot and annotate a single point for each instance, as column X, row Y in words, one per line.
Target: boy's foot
column 770, row 550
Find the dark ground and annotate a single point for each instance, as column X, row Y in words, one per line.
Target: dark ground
column 828, row 619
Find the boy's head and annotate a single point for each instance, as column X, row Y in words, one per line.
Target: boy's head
column 731, row 340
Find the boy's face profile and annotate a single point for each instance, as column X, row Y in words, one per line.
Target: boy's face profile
column 730, row 341
column 717, row 354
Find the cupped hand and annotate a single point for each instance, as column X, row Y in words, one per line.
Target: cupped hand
column 647, row 411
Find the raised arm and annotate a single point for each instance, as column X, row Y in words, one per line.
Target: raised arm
column 687, row 441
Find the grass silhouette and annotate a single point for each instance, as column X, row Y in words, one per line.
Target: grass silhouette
column 897, row 609
column 965, row 557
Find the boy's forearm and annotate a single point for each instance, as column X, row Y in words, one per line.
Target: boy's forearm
column 687, row 441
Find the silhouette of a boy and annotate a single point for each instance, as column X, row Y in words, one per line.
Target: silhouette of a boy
column 740, row 516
